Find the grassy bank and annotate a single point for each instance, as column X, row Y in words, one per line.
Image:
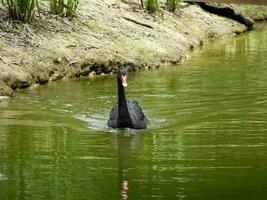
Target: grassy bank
column 104, row 33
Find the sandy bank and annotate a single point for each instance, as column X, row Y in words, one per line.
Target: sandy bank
column 103, row 35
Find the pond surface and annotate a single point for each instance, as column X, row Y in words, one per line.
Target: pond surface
column 207, row 137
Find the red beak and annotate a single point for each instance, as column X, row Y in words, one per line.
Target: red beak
column 124, row 80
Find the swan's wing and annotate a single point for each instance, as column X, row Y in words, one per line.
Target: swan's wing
column 135, row 109
column 137, row 115
column 113, row 116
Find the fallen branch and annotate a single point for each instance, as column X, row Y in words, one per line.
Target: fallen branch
column 227, row 12
column 139, row 23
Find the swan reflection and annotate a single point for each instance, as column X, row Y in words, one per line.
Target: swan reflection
column 126, row 145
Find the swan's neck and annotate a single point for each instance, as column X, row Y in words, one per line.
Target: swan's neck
column 124, row 119
column 121, row 95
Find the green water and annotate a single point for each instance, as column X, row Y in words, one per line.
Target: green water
column 207, row 137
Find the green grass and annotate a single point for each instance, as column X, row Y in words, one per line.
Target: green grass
column 153, row 5
column 25, row 10
column 150, row 5
column 64, row 7
column 172, row 5
column 21, row 9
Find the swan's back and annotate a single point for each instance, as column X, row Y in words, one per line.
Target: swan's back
column 137, row 116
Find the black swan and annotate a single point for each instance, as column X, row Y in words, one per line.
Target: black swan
column 127, row 113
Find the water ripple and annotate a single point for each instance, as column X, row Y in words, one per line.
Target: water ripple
column 2, row 177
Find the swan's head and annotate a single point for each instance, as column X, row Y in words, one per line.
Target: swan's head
column 122, row 75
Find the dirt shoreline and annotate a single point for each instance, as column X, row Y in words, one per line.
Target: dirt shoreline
column 103, row 35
